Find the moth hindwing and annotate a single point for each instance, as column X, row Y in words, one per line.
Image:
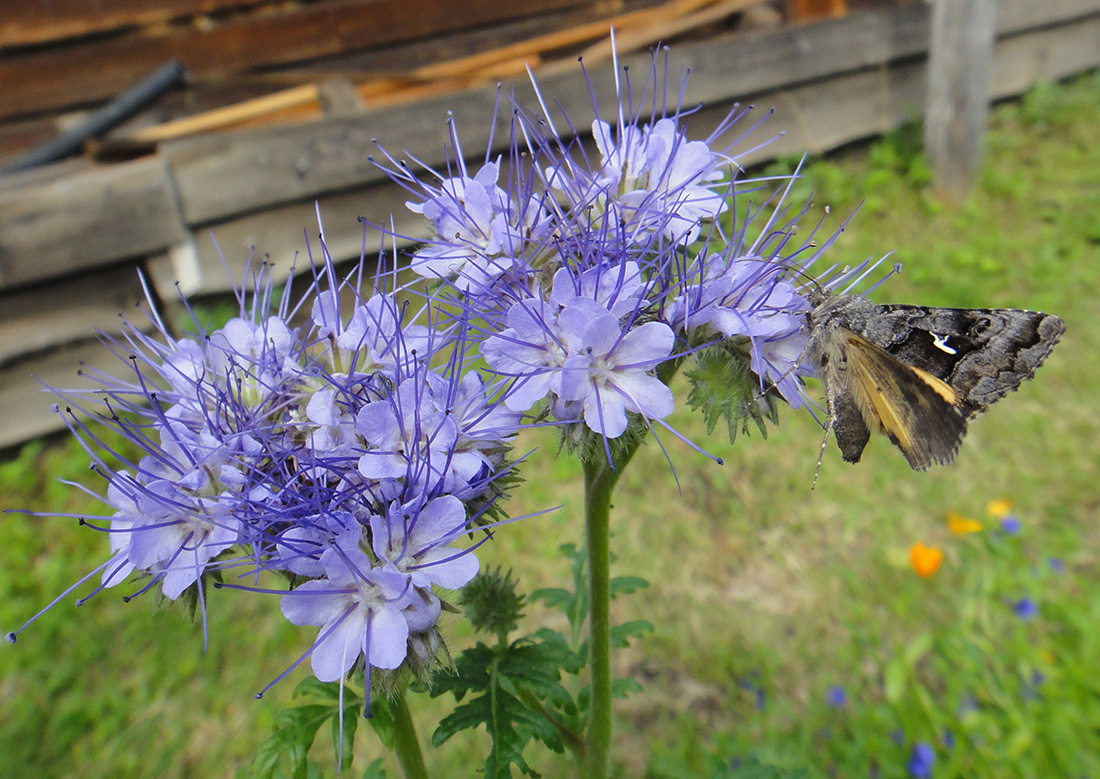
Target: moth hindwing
column 917, row 373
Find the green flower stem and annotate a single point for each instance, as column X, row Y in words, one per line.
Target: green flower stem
column 599, row 481
column 405, row 743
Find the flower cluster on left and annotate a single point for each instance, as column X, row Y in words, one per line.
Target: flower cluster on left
column 347, row 449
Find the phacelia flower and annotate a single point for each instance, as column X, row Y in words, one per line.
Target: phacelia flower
column 362, row 611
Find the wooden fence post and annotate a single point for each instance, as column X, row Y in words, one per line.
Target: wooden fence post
column 959, row 63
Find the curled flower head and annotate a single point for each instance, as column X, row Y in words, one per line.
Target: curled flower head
column 480, row 230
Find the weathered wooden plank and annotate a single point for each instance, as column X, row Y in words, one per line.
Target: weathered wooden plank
column 86, row 219
column 33, row 319
column 27, row 406
column 281, row 235
column 828, row 114
column 814, row 117
column 957, row 105
column 93, row 69
column 25, row 22
column 232, row 173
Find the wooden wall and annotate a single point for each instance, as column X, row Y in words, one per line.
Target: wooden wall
column 73, row 234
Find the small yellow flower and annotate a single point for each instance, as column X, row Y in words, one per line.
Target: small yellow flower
column 998, row 508
column 925, row 559
column 960, row 525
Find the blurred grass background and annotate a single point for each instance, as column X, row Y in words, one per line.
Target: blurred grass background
column 765, row 596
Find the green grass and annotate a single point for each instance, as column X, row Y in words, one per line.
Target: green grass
column 760, row 587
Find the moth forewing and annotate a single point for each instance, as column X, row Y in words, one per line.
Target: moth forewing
column 913, row 408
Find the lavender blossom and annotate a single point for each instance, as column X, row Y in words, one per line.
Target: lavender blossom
column 480, row 231
column 361, row 611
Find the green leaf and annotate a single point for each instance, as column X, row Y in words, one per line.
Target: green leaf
column 554, row 597
column 501, row 681
column 311, row 687
column 375, row 770
column 621, row 688
column 625, row 585
column 621, row 634
column 381, row 721
column 343, row 738
column 574, row 604
column 295, row 731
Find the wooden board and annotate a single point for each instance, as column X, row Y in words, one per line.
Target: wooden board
column 282, row 235
column 85, row 219
column 822, row 116
column 39, row 318
column 24, row 22
column 97, row 68
column 26, row 403
column 219, row 176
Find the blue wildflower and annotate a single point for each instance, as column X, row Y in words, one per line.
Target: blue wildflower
column 836, row 697
column 1025, row 608
column 921, row 761
column 1010, row 525
column 948, row 739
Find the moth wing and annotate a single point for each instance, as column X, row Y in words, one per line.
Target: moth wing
column 915, row 409
column 982, row 353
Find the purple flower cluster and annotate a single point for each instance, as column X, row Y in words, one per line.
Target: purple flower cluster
column 586, row 272
column 354, row 443
column 350, row 451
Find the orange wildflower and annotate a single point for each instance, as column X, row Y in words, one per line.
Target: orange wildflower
column 960, row 525
column 925, row 559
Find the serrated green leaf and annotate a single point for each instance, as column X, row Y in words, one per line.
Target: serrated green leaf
column 568, row 660
column 311, row 687
column 724, row 387
column 343, row 738
column 499, row 679
column 621, row 688
column 621, row 634
column 554, row 597
column 267, row 755
column 296, row 728
column 625, row 585
column 381, row 721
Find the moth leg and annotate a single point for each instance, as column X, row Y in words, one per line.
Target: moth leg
column 821, row 452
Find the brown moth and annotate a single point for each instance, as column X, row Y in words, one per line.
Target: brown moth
column 918, row 374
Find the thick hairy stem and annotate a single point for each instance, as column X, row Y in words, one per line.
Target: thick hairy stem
column 599, row 482
column 405, row 743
